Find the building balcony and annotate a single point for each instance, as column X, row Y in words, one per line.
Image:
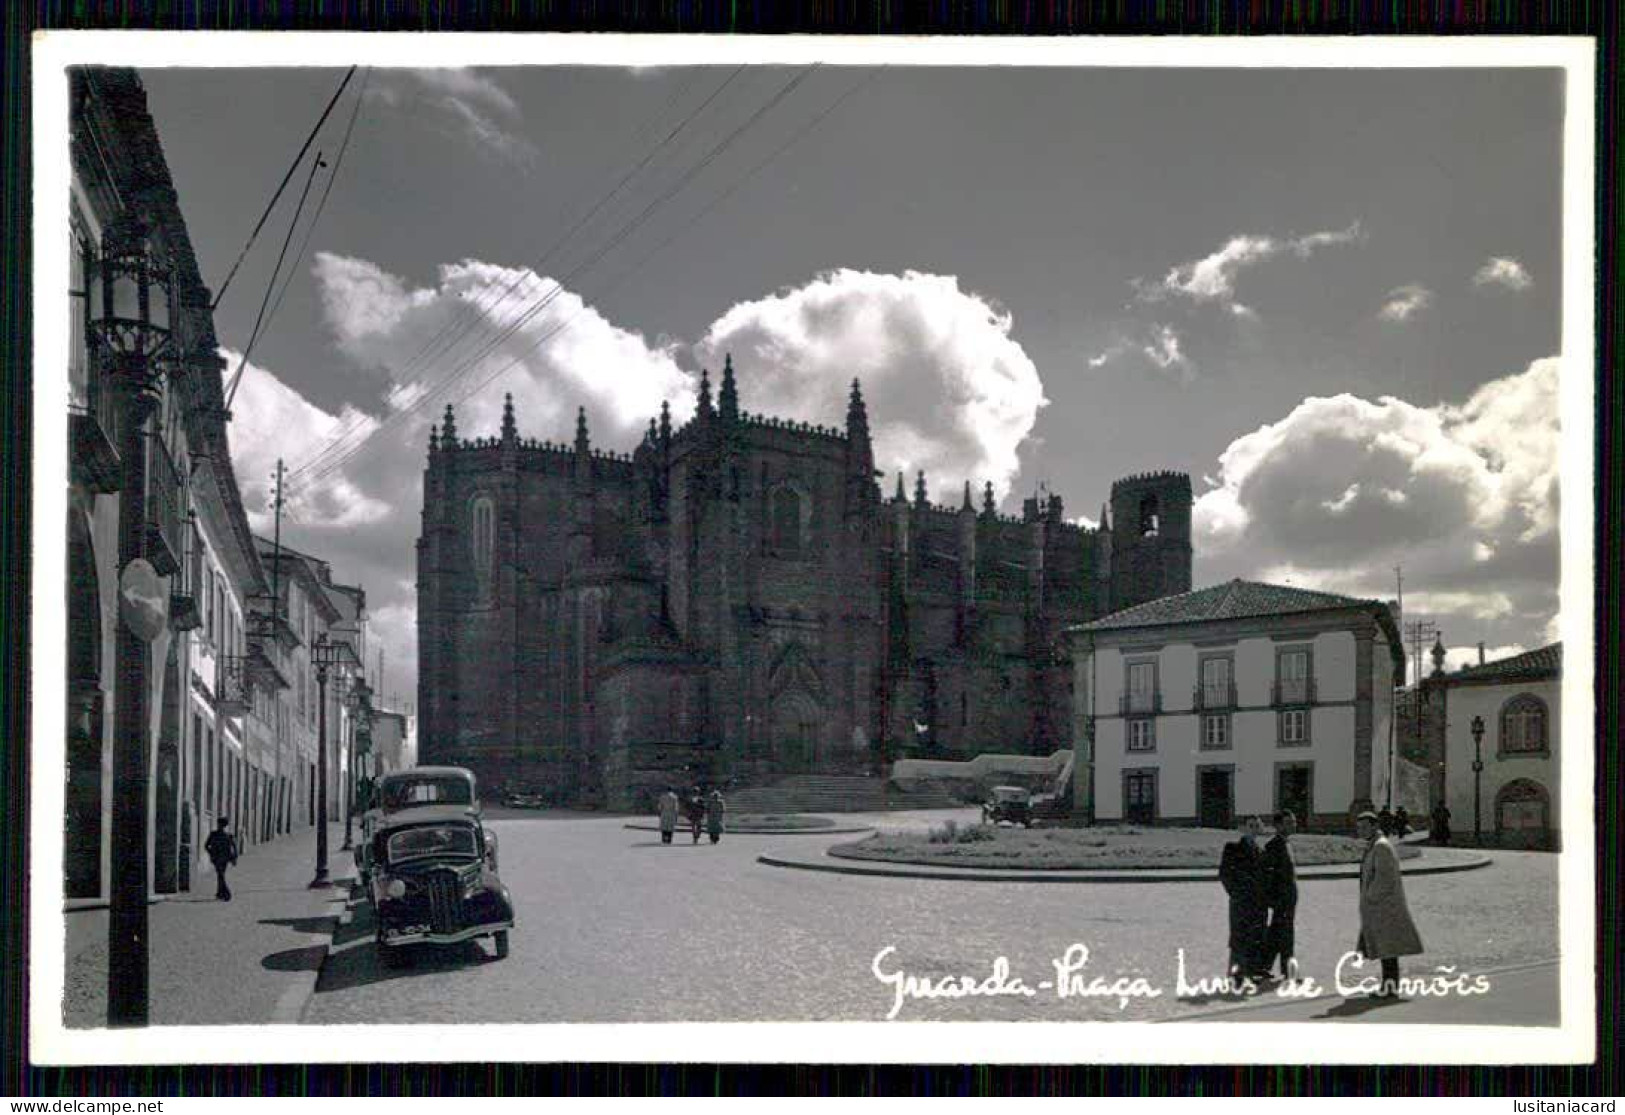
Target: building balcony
column 96, row 462
column 261, row 669
column 267, row 626
column 166, row 546
column 1140, row 703
column 231, row 696
column 1214, row 698
column 1288, row 692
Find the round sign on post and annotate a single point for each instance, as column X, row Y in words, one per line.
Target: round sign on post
column 143, row 603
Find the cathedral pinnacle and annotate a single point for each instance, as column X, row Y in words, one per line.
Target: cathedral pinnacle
column 900, row 497
column 434, row 438
column 728, row 397
column 988, row 507
column 583, row 445
column 857, row 415
column 448, row 435
column 705, row 408
column 966, row 506
column 919, row 489
column 510, row 429
column 665, row 423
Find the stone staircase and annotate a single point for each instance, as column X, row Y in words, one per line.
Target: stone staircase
column 834, row 793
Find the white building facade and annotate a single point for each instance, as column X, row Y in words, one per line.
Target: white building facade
column 1234, row 700
column 1516, row 706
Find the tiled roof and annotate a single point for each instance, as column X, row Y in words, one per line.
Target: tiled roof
column 1544, row 662
column 1236, row 599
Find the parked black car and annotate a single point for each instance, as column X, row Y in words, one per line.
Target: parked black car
column 434, row 881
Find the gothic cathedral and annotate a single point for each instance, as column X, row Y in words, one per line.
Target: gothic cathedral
column 734, row 600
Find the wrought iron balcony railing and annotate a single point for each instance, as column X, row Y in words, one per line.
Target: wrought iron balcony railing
column 1140, row 703
column 92, row 428
column 231, row 693
column 1210, row 698
column 1293, row 691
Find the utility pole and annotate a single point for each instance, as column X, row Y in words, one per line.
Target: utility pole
column 1418, row 632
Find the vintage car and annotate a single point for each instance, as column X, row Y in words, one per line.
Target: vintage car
column 1008, row 803
column 415, row 788
column 434, row 881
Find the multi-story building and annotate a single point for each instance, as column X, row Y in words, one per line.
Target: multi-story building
column 735, row 598
column 1497, row 726
column 151, row 490
column 1242, row 698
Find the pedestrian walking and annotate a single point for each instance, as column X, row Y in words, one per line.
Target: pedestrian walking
column 714, row 810
column 1386, row 929
column 1241, row 873
column 1441, row 824
column 694, row 811
column 1281, row 891
column 221, row 848
column 668, row 815
column 1402, row 822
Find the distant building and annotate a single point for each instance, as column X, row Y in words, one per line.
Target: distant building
column 1238, row 699
column 735, row 600
column 1517, row 702
column 389, row 742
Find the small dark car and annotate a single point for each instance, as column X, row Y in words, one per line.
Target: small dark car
column 434, row 881
column 1008, row 803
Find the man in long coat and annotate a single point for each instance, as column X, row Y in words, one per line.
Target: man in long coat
column 1281, row 892
column 715, row 809
column 1386, row 929
column 668, row 815
column 1242, row 875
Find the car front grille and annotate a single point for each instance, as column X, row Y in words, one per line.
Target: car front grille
column 445, row 901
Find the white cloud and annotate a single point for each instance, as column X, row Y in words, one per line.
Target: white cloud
column 1213, row 277
column 1504, row 272
column 948, row 389
column 1165, row 353
column 1465, row 497
column 1405, row 301
column 1455, row 657
column 462, row 101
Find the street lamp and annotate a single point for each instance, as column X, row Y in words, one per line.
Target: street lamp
column 1478, row 775
column 324, row 656
column 360, row 701
column 131, row 332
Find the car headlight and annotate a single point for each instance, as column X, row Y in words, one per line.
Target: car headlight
column 473, row 882
column 395, row 888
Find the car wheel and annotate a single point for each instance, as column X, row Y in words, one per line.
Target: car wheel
column 502, row 944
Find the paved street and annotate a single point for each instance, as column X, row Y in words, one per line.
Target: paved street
column 615, row 927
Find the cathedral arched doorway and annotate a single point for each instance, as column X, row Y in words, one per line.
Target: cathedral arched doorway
column 795, row 732
column 82, row 835
column 166, row 824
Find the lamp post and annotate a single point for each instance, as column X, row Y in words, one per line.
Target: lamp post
column 132, row 335
column 1478, row 775
column 323, row 656
column 360, row 700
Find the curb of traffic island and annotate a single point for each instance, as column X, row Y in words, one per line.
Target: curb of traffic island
column 888, row 869
column 291, row 1004
column 834, row 830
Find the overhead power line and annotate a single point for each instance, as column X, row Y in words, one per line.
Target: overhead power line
column 270, row 286
column 469, row 316
column 465, row 368
column 297, row 159
column 445, row 386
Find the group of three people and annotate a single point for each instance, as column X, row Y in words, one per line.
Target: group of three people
column 1262, row 884
column 697, row 808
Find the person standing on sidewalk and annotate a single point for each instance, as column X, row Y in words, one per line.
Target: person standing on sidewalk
column 221, row 848
column 1241, row 874
column 1281, row 891
column 1386, row 929
column 714, row 810
column 668, row 815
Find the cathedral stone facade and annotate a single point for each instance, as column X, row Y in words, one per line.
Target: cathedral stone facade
column 735, row 600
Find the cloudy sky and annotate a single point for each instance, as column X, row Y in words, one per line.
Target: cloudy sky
column 1330, row 296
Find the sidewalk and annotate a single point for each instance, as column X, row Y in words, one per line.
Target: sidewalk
column 1524, row 995
column 251, row 960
